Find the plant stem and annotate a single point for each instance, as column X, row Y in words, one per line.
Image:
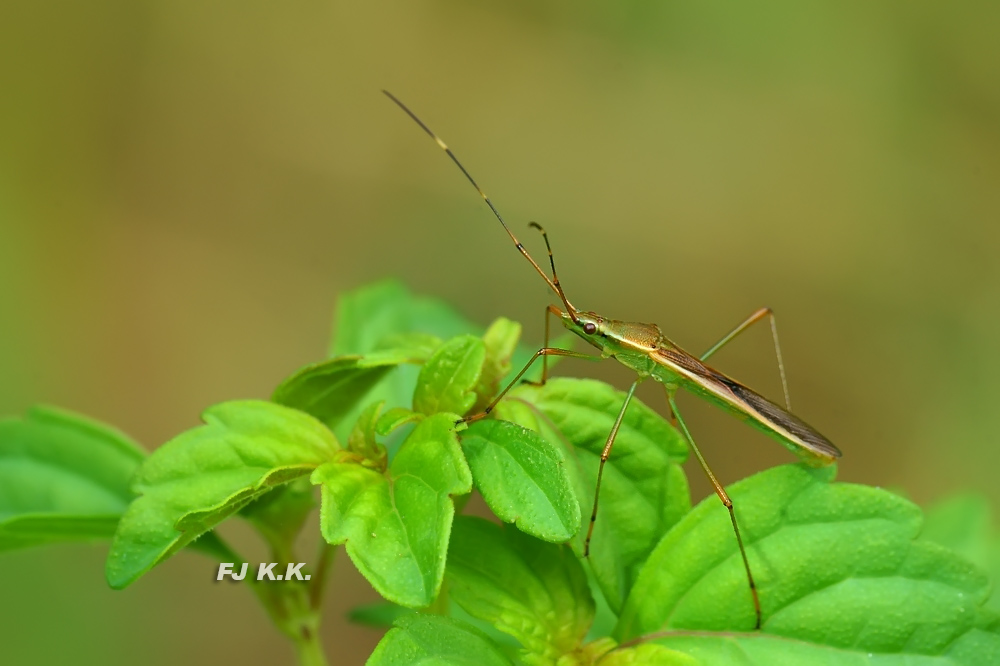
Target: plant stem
column 294, row 606
column 318, row 584
column 288, row 604
column 309, row 650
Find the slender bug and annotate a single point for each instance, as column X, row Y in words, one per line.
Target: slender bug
column 644, row 349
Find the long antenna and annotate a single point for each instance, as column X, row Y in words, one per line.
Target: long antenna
column 554, row 285
column 552, row 262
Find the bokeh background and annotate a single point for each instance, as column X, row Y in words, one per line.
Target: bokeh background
column 185, row 187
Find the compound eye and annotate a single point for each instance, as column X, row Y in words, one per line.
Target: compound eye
column 590, row 328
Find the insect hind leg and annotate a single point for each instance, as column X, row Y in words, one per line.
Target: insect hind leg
column 747, row 323
column 724, row 496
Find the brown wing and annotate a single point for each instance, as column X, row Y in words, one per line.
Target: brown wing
column 748, row 403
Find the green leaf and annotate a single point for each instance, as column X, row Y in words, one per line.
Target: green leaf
column 330, row 390
column 396, row 525
column 395, row 418
column 432, row 640
column 643, row 492
column 965, row 524
column 535, row 591
column 370, row 314
column 523, row 478
column 206, row 474
column 362, row 438
column 648, row 654
column 63, row 477
column 447, row 381
column 841, row 581
column 500, row 341
column 976, row 648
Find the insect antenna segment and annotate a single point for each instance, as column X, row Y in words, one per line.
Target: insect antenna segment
column 489, row 203
column 555, row 276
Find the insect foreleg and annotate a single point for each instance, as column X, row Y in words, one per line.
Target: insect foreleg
column 724, row 496
column 544, row 351
column 549, row 311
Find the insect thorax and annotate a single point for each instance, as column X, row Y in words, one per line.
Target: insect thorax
column 634, row 336
column 631, row 343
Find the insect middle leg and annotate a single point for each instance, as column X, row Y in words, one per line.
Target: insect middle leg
column 724, row 496
column 747, row 323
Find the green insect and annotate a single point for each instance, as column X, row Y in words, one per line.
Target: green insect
column 644, row 349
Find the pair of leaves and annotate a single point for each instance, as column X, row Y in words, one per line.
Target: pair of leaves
column 396, row 524
column 841, row 577
column 395, row 518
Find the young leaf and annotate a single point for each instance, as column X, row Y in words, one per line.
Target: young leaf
column 500, row 341
column 433, row 640
column 523, row 478
column 362, row 438
column 206, row 474
column 63, row 477
column 643, row 491
column 394, row 418
column 839, row 573
column 331, row 389
column 448, row 379
column 535, row 591
column 396, row 525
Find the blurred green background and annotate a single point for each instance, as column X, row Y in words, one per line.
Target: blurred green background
column 186, row 186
